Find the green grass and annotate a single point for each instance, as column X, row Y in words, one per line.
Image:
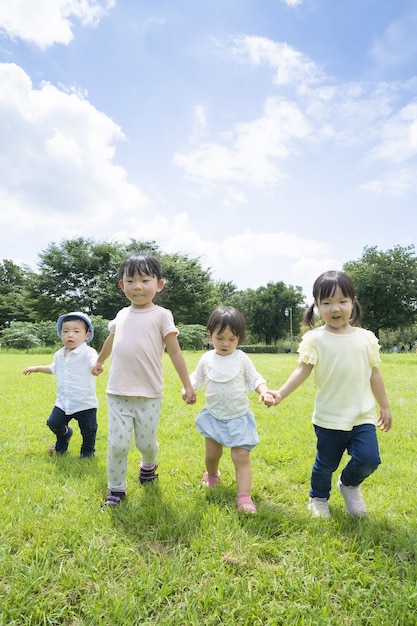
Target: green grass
column 175, row 554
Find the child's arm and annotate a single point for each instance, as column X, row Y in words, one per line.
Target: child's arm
column 378, row 389
column 105, row 352
column 265, row 396
column 177, row 358
column 297, row 378
column 43, row 369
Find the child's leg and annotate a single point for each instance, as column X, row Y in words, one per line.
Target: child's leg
column 214, row 451
column 120, row 438
column 364, row 452
column 58, row 423
column 87, row 421
column 331, row 445
column 243, row 469
column 146, row 413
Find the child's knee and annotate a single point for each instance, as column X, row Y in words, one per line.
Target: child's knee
column 240, row 456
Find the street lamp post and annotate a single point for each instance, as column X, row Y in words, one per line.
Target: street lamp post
column 288, row 312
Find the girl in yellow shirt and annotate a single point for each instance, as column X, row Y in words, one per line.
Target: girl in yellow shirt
column 345, row 360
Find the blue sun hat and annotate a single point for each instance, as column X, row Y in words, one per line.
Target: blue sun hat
column 81, row 316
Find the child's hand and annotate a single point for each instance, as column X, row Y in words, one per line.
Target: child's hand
column 29, row 370
column 274, row 397
column 385, row 419
column 188, row 395
column 267, row 398
column 97, row 369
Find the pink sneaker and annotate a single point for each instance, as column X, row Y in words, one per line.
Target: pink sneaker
column 211, row 480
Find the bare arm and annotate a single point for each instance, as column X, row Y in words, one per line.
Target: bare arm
column 105, row 352
column 378, row 389
column 43, row 369
column 297, row 378
column 177, row 358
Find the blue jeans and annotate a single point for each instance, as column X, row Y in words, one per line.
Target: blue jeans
column 361, row 444
column 87, row 421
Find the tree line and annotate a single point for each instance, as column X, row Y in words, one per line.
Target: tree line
column 82, row 274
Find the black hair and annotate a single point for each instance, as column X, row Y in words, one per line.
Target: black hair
column 325, row 286
column 143, row 264
column 227, row 317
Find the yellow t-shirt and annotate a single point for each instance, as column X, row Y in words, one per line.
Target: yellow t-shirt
column 342, row 371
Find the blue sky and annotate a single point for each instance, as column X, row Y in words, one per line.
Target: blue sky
column 273, row 139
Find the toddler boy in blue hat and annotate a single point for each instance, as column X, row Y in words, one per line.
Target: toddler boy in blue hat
column 76, row 386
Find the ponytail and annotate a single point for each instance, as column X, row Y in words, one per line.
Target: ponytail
column 309, row 318
column 356, row 313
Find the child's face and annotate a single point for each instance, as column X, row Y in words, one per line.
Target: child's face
column 224, row 342
column 73, row 333
column 140, row 289
column 336, row 310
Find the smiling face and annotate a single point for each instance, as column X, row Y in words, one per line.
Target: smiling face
column 140, row 289
column 74, row 333
column 224, row 341
column 336, row 311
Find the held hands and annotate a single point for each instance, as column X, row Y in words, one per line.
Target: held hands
column 270, row 398
column 267, row 398
column 97, row 368
column 188, row 395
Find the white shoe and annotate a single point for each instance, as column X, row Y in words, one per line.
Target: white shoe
column 355, row 504
column 319, row 507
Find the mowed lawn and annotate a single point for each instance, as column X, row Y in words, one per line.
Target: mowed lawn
column 178, row 554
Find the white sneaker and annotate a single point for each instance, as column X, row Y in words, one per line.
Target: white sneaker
column 355, row 504
column 319, row 507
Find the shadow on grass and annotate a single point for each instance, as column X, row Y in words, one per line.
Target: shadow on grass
column 371, row 536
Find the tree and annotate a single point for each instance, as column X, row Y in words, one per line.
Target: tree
column 81, row 275
column 386, row 286
column 14, row 304
column 224, row 292
column 268, row 320
column 188, row 292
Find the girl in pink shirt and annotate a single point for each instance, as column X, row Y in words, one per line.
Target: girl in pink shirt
column 138, row 337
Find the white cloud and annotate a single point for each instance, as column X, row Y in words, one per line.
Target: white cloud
column 252, row 152
column 57, row 157
column 290, row 66
column 200, row 124
column 398, row 136
column 46, row 22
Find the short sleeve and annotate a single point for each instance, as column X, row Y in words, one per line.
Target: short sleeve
column 374, row 348
column 307, row 349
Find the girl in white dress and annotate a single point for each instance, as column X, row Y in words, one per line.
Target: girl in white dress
column 226, row 420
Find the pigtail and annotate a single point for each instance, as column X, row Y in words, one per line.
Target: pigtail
column 356, row 313
column 309, row 318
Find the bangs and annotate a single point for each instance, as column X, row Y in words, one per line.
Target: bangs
column 143, row 264
column 327, row 284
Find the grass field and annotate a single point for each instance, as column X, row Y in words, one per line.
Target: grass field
column 175, row 554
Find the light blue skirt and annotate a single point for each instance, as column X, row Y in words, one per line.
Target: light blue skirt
column 239, row 432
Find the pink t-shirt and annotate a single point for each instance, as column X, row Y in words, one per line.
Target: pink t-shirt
column 138, row 347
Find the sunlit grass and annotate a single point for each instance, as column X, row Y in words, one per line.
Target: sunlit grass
column 175, row 554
